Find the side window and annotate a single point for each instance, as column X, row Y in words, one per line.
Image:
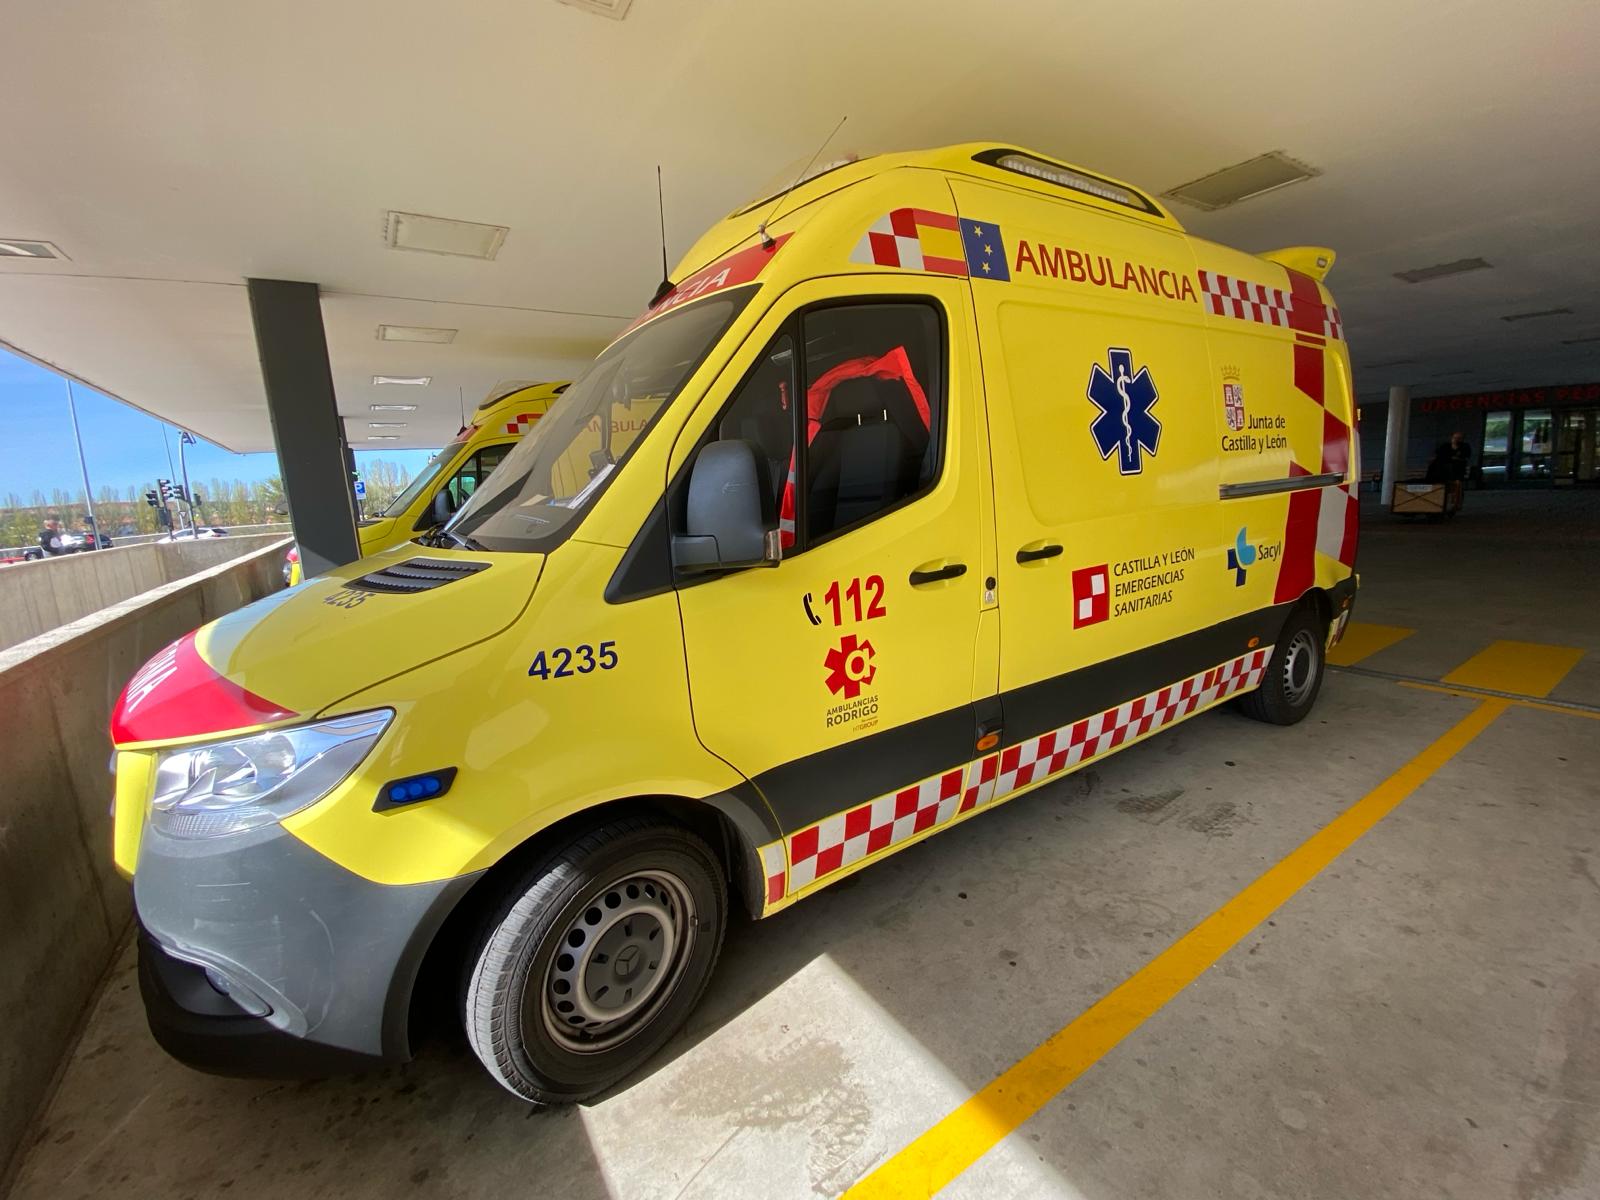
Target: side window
column 762, row 413
column 870, row 396
column 874, row 412
column 491, row 457
column 473, row 472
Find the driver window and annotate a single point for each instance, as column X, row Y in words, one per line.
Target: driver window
column 762, row 413
column 874, row 411
column 872, row 406
column 465, row 481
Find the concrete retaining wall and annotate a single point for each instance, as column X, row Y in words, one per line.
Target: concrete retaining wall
column 36, row 597
column 63, row 908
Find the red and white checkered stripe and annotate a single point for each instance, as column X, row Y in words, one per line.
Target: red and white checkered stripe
column 1337, row 509
column 786, row 526
column 774, row 870
column 891, row 820
column 883, row 246
column 1230, row 297
column 1332, row 323
column 1054, row 752
column 522, row 422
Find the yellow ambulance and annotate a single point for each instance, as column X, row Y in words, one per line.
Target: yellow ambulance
column 453, row 474
column 930, row 481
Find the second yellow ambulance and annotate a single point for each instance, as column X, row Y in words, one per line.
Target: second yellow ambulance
column 453, row 474
column 931, row 481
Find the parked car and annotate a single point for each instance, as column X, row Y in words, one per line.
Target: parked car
column 77, row 543
column 200, row 531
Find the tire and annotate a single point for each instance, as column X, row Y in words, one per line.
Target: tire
column 1294, row 672
column 576, row 934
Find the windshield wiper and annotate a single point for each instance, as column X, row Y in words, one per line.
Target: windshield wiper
column 464, row 539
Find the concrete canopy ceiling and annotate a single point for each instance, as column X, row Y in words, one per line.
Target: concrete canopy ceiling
column 174, row 149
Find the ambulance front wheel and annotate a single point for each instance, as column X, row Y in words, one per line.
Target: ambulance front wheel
column 1294, row 671
column 594, row 959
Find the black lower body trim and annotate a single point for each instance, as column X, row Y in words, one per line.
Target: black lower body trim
column 807, row 790
column 1052, row 703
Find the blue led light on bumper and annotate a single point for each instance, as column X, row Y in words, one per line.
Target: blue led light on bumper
column 412, row 788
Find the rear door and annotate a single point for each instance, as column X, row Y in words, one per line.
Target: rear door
column 842, row 681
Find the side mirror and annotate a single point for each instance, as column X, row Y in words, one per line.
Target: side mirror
column 725, row 526
column 443, row 508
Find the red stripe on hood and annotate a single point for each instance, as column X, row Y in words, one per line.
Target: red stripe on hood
column 177, row 694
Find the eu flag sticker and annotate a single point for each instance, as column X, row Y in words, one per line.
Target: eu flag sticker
column 986, row 250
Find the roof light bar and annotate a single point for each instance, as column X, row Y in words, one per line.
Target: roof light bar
column 1067, row 177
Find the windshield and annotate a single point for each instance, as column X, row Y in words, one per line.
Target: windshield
column 436, row 467
column 535, row 497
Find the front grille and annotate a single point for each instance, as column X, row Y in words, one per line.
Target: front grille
column 417, row 575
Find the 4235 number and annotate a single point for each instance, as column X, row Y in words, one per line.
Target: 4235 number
column 564, row 663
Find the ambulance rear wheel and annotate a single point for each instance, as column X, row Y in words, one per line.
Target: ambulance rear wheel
column 1294, row 672
column 594, row 959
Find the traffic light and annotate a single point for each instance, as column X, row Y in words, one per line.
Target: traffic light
column 199, row 500
column 152, row 499
column 168, row 492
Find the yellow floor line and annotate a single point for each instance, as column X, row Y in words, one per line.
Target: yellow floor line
column 1527, row 668
column 1362, row 641
column 965, row 1135
column 1563, row 709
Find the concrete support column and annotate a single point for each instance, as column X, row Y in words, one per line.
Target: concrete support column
column 1394, row 442
column 306, row 428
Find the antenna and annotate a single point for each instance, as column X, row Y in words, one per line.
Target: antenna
column 461, row 404
column 766, row 239
column 661, row 208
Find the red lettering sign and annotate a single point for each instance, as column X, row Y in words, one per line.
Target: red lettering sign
column 1063, row 262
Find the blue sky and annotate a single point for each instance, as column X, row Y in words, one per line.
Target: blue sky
column 122, row 445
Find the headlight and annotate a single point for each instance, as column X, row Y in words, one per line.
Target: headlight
column 228, row 787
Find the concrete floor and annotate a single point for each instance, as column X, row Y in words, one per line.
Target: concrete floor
column 1422, row 1019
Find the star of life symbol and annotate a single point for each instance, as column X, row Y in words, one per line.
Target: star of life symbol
column 1125, row 425
column 850, row 666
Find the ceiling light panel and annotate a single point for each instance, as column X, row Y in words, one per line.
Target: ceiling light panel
column 416, row 333
column 386, row 424
column 403, row 380
column 393, row 407
column 383, row 437
column 1440, row 270
column 1253, row 177
column 1535, row 316
column 28, row 248
column 440, row 235
column 615, row 9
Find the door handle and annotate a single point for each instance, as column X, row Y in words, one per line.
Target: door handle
column 1035, row 551
column 933, row 574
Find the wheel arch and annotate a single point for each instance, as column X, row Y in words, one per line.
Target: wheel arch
column 734, row 824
